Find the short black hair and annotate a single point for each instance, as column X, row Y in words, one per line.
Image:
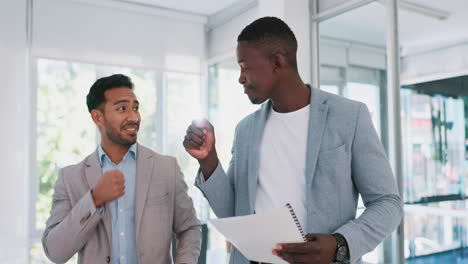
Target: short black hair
column 96, row 98
column 273, row 34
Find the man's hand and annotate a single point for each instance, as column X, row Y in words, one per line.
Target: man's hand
column 319, row 249
column 199, row 142
column 110, row 186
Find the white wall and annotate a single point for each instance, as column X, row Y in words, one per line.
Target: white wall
column 222, row 40
column 297, row 16
column 117, row 33
column 14, row 132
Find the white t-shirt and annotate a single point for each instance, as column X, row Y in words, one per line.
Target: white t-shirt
column 281, row 178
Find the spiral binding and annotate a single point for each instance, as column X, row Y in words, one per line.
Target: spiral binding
column 299, row 227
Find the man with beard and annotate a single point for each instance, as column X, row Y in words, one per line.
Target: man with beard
column 312, row 149
column 123, row 203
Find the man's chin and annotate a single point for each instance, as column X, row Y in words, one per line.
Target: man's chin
column 130, row 140
column 133, row 141
column 257, row 101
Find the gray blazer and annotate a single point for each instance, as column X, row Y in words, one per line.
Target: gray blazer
column 345, row 158
column 162, row 208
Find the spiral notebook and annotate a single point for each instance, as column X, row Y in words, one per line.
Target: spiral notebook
column 255, row 236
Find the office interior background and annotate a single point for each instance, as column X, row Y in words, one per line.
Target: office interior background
column 407, row 60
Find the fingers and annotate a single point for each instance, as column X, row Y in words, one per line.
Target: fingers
column 195, row 130
column 298, row 258
column 203, row 124
column 116, row 174
column 298, row 248
column 117, row 177
column 194, row 138
column 190, row 143
column 311, row 251
column 117, row 182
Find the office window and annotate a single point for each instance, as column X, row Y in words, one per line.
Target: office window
column 435, row 227
column 66, row 133
column 434, row 172
column 330, row 88
column 363, row 85
column 183, row 104
column 227, row 105
column 332, row 79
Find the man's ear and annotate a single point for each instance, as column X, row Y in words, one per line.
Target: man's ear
column 279, row 61
column 98, row 117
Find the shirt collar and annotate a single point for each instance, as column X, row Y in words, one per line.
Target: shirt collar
column 102, row 154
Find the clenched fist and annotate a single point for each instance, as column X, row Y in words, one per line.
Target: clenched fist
column 199, row 142
column 110, row 186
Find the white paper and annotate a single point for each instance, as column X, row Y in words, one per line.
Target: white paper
column 256, row 235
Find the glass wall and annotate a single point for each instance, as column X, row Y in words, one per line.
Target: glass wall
column 353, row 65
column 435, row 170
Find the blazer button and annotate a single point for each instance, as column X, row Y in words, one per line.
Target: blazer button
column 108, row 259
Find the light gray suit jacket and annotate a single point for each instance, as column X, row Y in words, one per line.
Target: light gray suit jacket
column 345, row 158
column 162, row 208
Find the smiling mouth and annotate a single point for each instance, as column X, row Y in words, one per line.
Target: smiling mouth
column 131, row 129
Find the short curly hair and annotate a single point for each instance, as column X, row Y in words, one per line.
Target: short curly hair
column 272, row 34
column 96, row 98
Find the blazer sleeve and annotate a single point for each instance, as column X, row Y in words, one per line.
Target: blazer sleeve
column 373, row 178
column 68, row 227
column 219, row 188
column 186, row 225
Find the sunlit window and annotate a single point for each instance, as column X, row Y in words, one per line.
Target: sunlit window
column 66, row 133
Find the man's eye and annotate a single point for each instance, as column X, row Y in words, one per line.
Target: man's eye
column 136, row 108
column 121, row 108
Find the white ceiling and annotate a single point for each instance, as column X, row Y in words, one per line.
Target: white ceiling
column 366, row 24
column 417, row 32
column 200, row 7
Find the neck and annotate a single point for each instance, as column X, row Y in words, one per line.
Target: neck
column 290, row 95
column 115, row 152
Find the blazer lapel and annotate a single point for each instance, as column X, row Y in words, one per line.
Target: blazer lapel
column 143, row 179
column 317, row 122
column 254, row 153
column 93, row 172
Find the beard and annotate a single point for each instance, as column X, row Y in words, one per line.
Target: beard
column 252, row 97
column 114, row 136
column 254, row 100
